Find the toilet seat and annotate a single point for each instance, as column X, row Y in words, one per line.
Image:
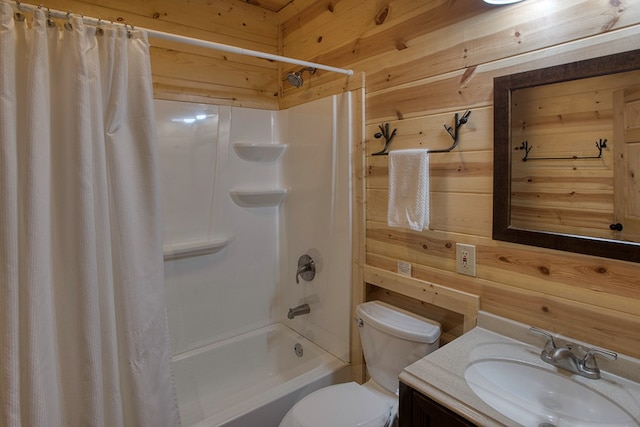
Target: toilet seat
column 341, row 405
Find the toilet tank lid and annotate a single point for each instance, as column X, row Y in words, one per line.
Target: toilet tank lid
column 398, row 322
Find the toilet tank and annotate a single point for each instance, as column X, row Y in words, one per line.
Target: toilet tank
column 392, row 339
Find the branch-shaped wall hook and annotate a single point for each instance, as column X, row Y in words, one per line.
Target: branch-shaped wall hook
column 384, row 132
column 453, row 132
column 526, row 148
column 459, row 122
column 600, row 145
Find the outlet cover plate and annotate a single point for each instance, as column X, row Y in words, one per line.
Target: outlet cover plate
column 466, row 259
column 404, row 268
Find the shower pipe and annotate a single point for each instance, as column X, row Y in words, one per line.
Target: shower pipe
column 189, row 40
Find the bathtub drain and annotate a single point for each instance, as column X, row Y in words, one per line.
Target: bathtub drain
column 298, row 349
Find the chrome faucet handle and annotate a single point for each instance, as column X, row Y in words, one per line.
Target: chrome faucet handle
column 306, row 269
column 550, row 345
column 589, row 361
column 301, row 270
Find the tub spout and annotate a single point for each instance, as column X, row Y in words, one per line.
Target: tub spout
column 297, row 311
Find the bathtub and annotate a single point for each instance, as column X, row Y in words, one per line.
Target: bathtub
column 252, row 379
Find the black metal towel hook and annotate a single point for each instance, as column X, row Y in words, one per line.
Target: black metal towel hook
column 600, row 145
column 452, row 131
column 384, row 131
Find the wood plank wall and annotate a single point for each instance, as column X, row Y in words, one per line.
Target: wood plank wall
column 187, row 73
column 551, row 190
column 425, row 61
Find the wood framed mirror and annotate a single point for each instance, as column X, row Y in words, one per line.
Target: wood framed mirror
column 567, row 157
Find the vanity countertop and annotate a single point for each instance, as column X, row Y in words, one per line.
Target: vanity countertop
column 440, row 375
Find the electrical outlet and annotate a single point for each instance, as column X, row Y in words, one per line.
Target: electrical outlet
column 466, row 259
column 404, row 268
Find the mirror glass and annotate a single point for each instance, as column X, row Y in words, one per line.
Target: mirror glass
column 566, row 156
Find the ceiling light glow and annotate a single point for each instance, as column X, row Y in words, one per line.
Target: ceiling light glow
column 501, row 2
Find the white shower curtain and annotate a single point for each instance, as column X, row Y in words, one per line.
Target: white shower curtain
column 83, row 328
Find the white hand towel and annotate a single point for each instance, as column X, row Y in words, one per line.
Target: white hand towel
column 409, row 189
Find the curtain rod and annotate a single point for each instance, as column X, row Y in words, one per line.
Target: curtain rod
column 192, row 41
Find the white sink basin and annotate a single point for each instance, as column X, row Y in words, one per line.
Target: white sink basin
column 533, row 396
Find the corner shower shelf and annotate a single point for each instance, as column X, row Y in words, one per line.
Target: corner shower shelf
column 258, row 198
column 258, row 152
column 191, row 249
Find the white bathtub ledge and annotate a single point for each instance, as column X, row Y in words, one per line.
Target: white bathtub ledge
column 251, row 378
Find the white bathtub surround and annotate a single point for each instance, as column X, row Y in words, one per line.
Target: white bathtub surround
column 84, row 336
column 251, row 379
column 188, row 145
column 316, row 220
column 232, row 291
column 250, row 283
column 221, row 175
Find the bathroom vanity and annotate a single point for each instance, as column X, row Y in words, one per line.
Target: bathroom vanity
column 418, row 410
column 494, row 376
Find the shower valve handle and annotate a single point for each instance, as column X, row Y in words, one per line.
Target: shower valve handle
column 306, row 269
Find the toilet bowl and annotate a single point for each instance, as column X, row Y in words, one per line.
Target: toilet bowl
column 392, row 339
column 342, row 405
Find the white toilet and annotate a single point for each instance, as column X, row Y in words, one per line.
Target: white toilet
column 392, row 339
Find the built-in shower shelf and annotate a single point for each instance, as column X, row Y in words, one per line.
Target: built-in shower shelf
column 259, row 152
column 258, row 198
column 192, row 249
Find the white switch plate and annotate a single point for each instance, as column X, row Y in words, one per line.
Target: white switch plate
column 404, row 268
column 466, row 259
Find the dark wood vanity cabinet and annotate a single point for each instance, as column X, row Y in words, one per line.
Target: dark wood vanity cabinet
column 417, row 410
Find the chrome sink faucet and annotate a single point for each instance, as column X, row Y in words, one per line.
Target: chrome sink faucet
column 564, row 357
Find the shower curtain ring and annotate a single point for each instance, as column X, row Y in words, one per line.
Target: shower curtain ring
column 129, row 31
column 99, row 30
column 18, row 16
column 50, row 22
column 67, row 24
